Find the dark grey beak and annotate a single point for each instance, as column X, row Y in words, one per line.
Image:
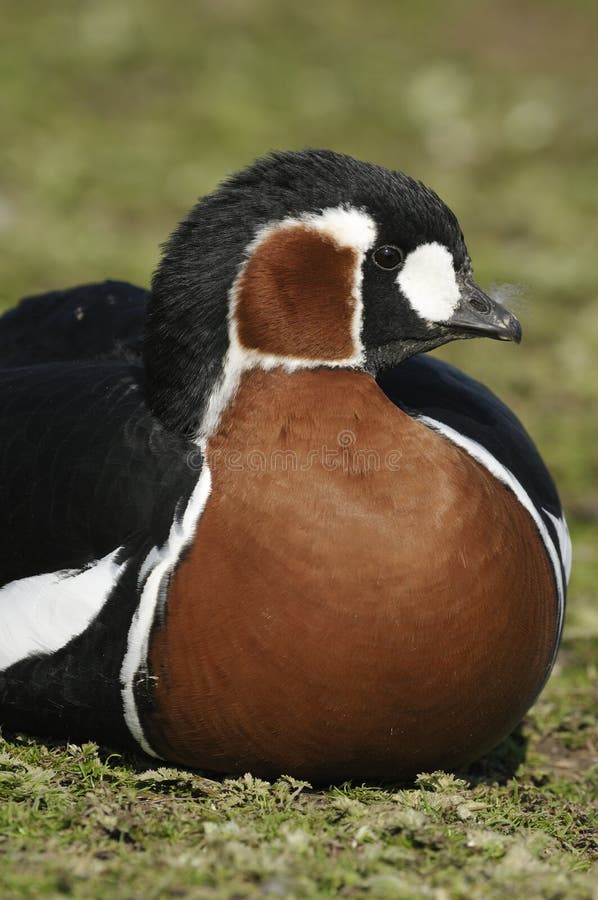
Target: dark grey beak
column 477, row 313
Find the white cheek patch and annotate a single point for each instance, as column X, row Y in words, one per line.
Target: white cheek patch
column 428, row 281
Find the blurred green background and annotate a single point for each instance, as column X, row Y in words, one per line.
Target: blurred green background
column 115, row 116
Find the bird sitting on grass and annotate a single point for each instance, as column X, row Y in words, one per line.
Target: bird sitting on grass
column 245, row 524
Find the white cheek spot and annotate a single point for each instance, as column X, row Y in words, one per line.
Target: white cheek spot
column 428, row 281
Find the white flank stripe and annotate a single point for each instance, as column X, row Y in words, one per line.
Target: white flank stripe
column 479, row 453
column 564, row 541
column 161, row 561
column 42, row 613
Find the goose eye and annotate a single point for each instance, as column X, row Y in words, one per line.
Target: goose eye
column 388, row 257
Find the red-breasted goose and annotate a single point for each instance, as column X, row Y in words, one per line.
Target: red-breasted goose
column 253, row 529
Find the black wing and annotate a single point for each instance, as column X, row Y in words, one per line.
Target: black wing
column 84, row 467
column 91, row 321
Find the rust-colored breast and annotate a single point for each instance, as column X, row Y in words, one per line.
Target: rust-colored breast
column 361, row 599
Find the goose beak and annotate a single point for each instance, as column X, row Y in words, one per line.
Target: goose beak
column 477, row 313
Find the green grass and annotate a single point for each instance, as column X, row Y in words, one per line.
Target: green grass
column 115, row 117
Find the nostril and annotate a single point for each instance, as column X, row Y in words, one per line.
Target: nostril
column 479, row 303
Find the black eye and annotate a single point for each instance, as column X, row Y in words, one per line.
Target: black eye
column 387, row 257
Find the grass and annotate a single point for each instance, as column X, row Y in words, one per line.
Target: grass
column 114, row 118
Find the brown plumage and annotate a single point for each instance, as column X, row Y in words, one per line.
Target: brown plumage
column 380, row 619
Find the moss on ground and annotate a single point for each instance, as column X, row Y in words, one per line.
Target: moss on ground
column 115, row 117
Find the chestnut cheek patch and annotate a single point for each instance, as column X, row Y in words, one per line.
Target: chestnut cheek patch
column 295, row 296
